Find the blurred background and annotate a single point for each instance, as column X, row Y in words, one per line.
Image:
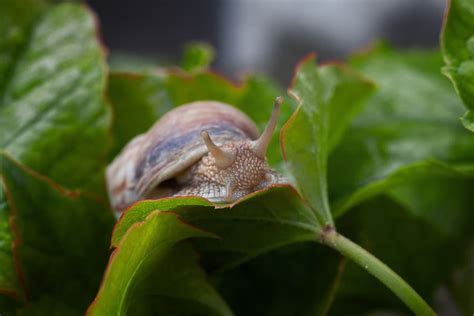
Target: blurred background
column 265, row 36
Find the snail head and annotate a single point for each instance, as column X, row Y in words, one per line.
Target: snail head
column 241, row 166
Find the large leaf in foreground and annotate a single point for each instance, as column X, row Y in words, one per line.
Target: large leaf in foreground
column 329, row 97
column 262, row 221
column 52, row 119
column 60, row 237
column 16, row 19
column 408, row 130
column 249, row 230
column 159, row 276
column 52, row 114
column 457, row 43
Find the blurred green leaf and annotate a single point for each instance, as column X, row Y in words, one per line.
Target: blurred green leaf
column 457, row 43
column 47, row 306
column 461, row 284
column 10, row 284
column 408, row 240
column 52, row 114
column 293, row 280
column 408, row 130
column 54, row 121
column 160, row 275
column 7, row 306
column 197, row 56
column 468, row 120
column 408, row 144
column 16, row 22
column 330, row 96
column 61, row 237
column 415, row 172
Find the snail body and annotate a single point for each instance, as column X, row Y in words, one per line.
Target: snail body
column 205, row 148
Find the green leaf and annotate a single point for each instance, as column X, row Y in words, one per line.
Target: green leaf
column 16, row 19
column 137, row 100
column 408, row 144
column 47, row 306
column 415, row 172
column 408, row 130
column 259, row 224
column 54, row 121
column 461, row 285
column 457, row 43
column 52, row 114
column 197, row 56
column 263, row 221
column 138, row 213
column 330, row 96
column 10, row 284
column 468, row 120
column 160, row 275
column 7, row 306
column 60, row 238
column 410, row 241
column 297, row 279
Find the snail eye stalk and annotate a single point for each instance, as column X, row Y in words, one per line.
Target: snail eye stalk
column 224, row 159
column 261, row 144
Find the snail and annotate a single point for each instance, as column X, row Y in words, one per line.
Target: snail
column 205, row 148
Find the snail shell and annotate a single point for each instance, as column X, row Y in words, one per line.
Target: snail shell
column 177, row 157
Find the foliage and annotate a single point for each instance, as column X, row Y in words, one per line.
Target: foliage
column 375, row 150
column 457, row 44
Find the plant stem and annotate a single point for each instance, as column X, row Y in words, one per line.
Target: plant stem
column 377, row 268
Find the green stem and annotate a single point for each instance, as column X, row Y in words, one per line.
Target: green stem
column 377, row 268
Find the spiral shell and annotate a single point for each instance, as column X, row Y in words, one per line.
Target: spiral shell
column 171, row 147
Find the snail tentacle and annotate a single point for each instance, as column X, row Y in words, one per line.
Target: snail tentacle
column 223, row 158
column 261, row 144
